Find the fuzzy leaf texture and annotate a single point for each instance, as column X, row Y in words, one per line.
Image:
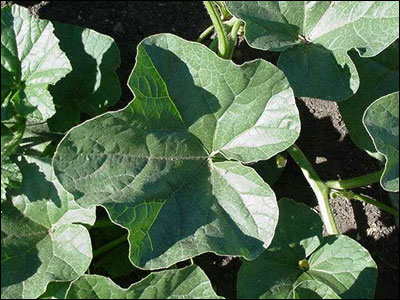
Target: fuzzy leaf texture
column 161, row 166
column 31, row 60
column 187, row 283
column 381, row 119
column 339, row 267
column 315, row 37
column 40, row 238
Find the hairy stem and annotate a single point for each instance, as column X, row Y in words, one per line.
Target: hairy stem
column 350, row 195
column 233, row 39
column 109, row 246
column 219, row 28
column 356, row 182
column 209, row 30
column 320, row 189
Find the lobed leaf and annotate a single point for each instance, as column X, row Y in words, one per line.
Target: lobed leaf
column 381, row 119
column 160, row 166
column 31, row 60
column 93, row 84
column 187, row 283
column 379, row 76
column 316, row 36
column 337, row 265
column 40, row 238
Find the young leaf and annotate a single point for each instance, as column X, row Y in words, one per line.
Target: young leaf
column 187, row 283
column 298, row 254
column 379, row 76
column 381, row 119
column 31, row 60
column 159, row 165
column 93, row 84
column 315, row 37
column 40, row 241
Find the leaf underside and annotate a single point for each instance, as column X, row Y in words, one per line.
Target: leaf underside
column 160, row 165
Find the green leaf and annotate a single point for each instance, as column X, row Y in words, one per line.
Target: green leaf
column 313, row 289
column 40, row 239
column 93, row 84
column 11, row 176
column 271, row 170
column 159, row 166
column 31, row 60
column 381, row 119
column 187, row 283
column 339, row 264
column 114, row 268
column 56, row 290
column 274, row 273
column 379, row 76
column 316, row 36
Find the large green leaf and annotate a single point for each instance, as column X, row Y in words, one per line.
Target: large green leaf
column 40, row 240
column 313, row 289
column 379, row 76
column 187, row 283
column 340, row 265
column 31, row 60
column 159, row 166
column 315, row 37
column 93, row 84
column 381, row 119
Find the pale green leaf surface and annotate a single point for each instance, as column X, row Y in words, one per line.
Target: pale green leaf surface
column 379, row 76
column 340, row 264
column 313, row 289
column 156, row 166
column 11, row 176
column 319, row 35
column 31, row 60
column 93, row 84
column 273, row 274
column 381, row 119
column 188, row 283
column 39, row 241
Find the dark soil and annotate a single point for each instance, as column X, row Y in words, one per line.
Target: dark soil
column 324, row 136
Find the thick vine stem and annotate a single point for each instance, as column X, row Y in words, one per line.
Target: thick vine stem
column 356, row 182
column 219, row 28
column 320, row 189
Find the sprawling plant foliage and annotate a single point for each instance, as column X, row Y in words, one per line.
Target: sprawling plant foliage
column 315, row 37
column 174, row 169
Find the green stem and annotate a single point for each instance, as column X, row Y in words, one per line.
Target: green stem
column 234, row 36
column 209, row 30
column 224, row 12
column 356, row 182
column 219, row 28
column 350, row 195
column 320, row 189
column 109, row 246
